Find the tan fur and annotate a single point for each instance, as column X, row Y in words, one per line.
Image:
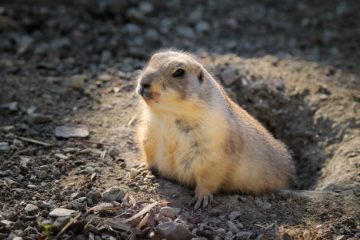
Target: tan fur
column 195, row 134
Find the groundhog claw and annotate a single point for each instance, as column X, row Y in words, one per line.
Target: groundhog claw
column 203, row 201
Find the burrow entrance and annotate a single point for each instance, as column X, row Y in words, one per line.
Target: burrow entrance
column 285, row 97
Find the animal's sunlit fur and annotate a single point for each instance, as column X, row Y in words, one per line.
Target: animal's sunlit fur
column 192, row 132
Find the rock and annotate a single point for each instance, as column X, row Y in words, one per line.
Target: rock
column 173, row 231
column 12, row 106
column 146, row 8
column 39, row 118
column 60, row 222
column 202, row 27
column 229, row 236
column 17, row 143
column 135, row 15
column 89, row 170
column 31, row 209
column 234, row 215
column 262, row 204
column 112, row 194
column 72, row 131
column 77, row 82
column 244, row 234
column 4, row 146
column 196, row 15
column 186, row 32
column 17, row 238
column 105, row 77
column 61, row 212
column 152, row 34
column 175, row 210
column 61, row 156
column 132, row 29
column 45, row 205
column 168, row 212
column 7, row 223
column 133, row 172
column 114, row 152
column 24, row 42
column 228, row 76
column 106, row 56
column 232, row 226
column 221, row 230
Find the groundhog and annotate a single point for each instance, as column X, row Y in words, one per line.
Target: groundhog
column 192, row 132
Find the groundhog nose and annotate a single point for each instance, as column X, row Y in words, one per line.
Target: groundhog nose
column 144, row 89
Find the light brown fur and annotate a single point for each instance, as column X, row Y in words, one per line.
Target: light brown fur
column 191, row 131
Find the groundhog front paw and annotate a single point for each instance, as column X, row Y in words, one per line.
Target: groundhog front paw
column 202, row 201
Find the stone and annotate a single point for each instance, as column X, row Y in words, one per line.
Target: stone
column 7, row 223
column 77, row 82
column 114, row 152
column 12, row 106
column 60, row 222
column 196, row 15
column 228, row 76
column 89, row 170
column 232, row 227
column 105, row 77
column 112, row 194
column 61, row 212
column 31, row 209
column 234, row 215
column 168, row 212
column 135, row 15
column 4, row 146
column 133, row 172
column 132, row 28
column 152, row 34
column 36, row 118
column 106, row 55
column 146, row 8
column 173, row 231
column 202, row 27
column 69, row 131
column 244, row 234
column 186, row 32
column 221, row 230
column 262, row 204
column 45, row 205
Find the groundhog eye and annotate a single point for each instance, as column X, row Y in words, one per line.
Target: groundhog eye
column 179, row 73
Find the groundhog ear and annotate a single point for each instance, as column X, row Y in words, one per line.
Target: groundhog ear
column 201, row 77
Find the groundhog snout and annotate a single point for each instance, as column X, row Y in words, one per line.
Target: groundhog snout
column 144, row 90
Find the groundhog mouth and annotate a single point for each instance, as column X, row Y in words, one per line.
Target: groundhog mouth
column 149, row 95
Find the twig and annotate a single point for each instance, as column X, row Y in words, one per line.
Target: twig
column 142, row 212
column 30, row 140
column 27, row 150
column 71, row 221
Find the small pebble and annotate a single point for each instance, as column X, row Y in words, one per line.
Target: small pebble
column 112, row 194
column 168, row 212
column 31, row 209
column 4, row 146
column 61, row 212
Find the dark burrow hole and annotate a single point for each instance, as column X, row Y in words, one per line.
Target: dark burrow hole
column 290, row 119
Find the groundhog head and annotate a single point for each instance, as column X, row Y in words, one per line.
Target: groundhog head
column 171, row 81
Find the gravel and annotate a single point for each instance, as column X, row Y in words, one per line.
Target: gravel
column 72, row 131
column 61, row 212
column 31, row 209
column 112, row 194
